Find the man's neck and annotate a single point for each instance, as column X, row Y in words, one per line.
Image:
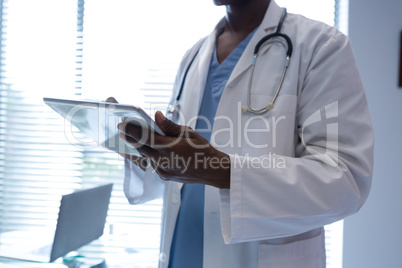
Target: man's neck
column 245, row 18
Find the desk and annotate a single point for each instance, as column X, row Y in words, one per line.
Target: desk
column 121, row 250
column 133, row 260
column 10, row 263
column 114, row 257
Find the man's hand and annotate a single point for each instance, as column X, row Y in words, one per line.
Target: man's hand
column 182, row 155
column 142, row 162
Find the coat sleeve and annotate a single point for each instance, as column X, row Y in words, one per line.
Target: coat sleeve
column 141, row 186
column 330, row 175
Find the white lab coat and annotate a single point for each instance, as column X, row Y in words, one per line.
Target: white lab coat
column 304, row 164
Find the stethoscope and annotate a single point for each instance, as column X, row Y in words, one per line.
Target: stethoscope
column 174, row 109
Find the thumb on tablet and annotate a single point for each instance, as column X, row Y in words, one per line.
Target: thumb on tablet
column 111, row 99
column 167, row 126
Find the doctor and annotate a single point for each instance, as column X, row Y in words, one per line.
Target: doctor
column 263, row 151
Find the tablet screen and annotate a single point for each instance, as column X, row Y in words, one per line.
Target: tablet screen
column 98, row 121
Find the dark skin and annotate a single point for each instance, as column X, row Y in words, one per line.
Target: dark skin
column 198, row 161
column 242, row 17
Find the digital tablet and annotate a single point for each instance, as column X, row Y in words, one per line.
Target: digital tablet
column 98, row 121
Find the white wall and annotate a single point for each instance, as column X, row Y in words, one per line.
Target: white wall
column 373, row 237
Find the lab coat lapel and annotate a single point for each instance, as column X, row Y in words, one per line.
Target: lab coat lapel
column 268, row 25
column 203, row 65
column 196, row 81
column 195, row 84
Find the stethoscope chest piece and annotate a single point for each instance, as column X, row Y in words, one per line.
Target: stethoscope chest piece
column 269, row 106
column 173, row 112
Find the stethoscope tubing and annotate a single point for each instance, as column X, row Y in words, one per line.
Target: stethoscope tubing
column 185, row 76
column 174, row 108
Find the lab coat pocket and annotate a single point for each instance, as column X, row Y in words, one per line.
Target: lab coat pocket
column 270, row 131
column 308, row 253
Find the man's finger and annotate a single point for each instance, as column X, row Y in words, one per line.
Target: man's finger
column 169, row 127
column 134, row 143
column 111, row 99
column 154, row 156
column 139, row 135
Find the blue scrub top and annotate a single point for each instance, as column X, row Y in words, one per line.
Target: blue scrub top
column 187, row 244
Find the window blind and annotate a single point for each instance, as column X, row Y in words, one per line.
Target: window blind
column 79, row 47
column 342, row 15
column 37, row 163
column 94, row 49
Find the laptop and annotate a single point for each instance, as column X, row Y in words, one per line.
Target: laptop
column 81, row 219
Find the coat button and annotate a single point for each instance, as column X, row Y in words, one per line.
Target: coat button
column 162, row 257
column 175, row 198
